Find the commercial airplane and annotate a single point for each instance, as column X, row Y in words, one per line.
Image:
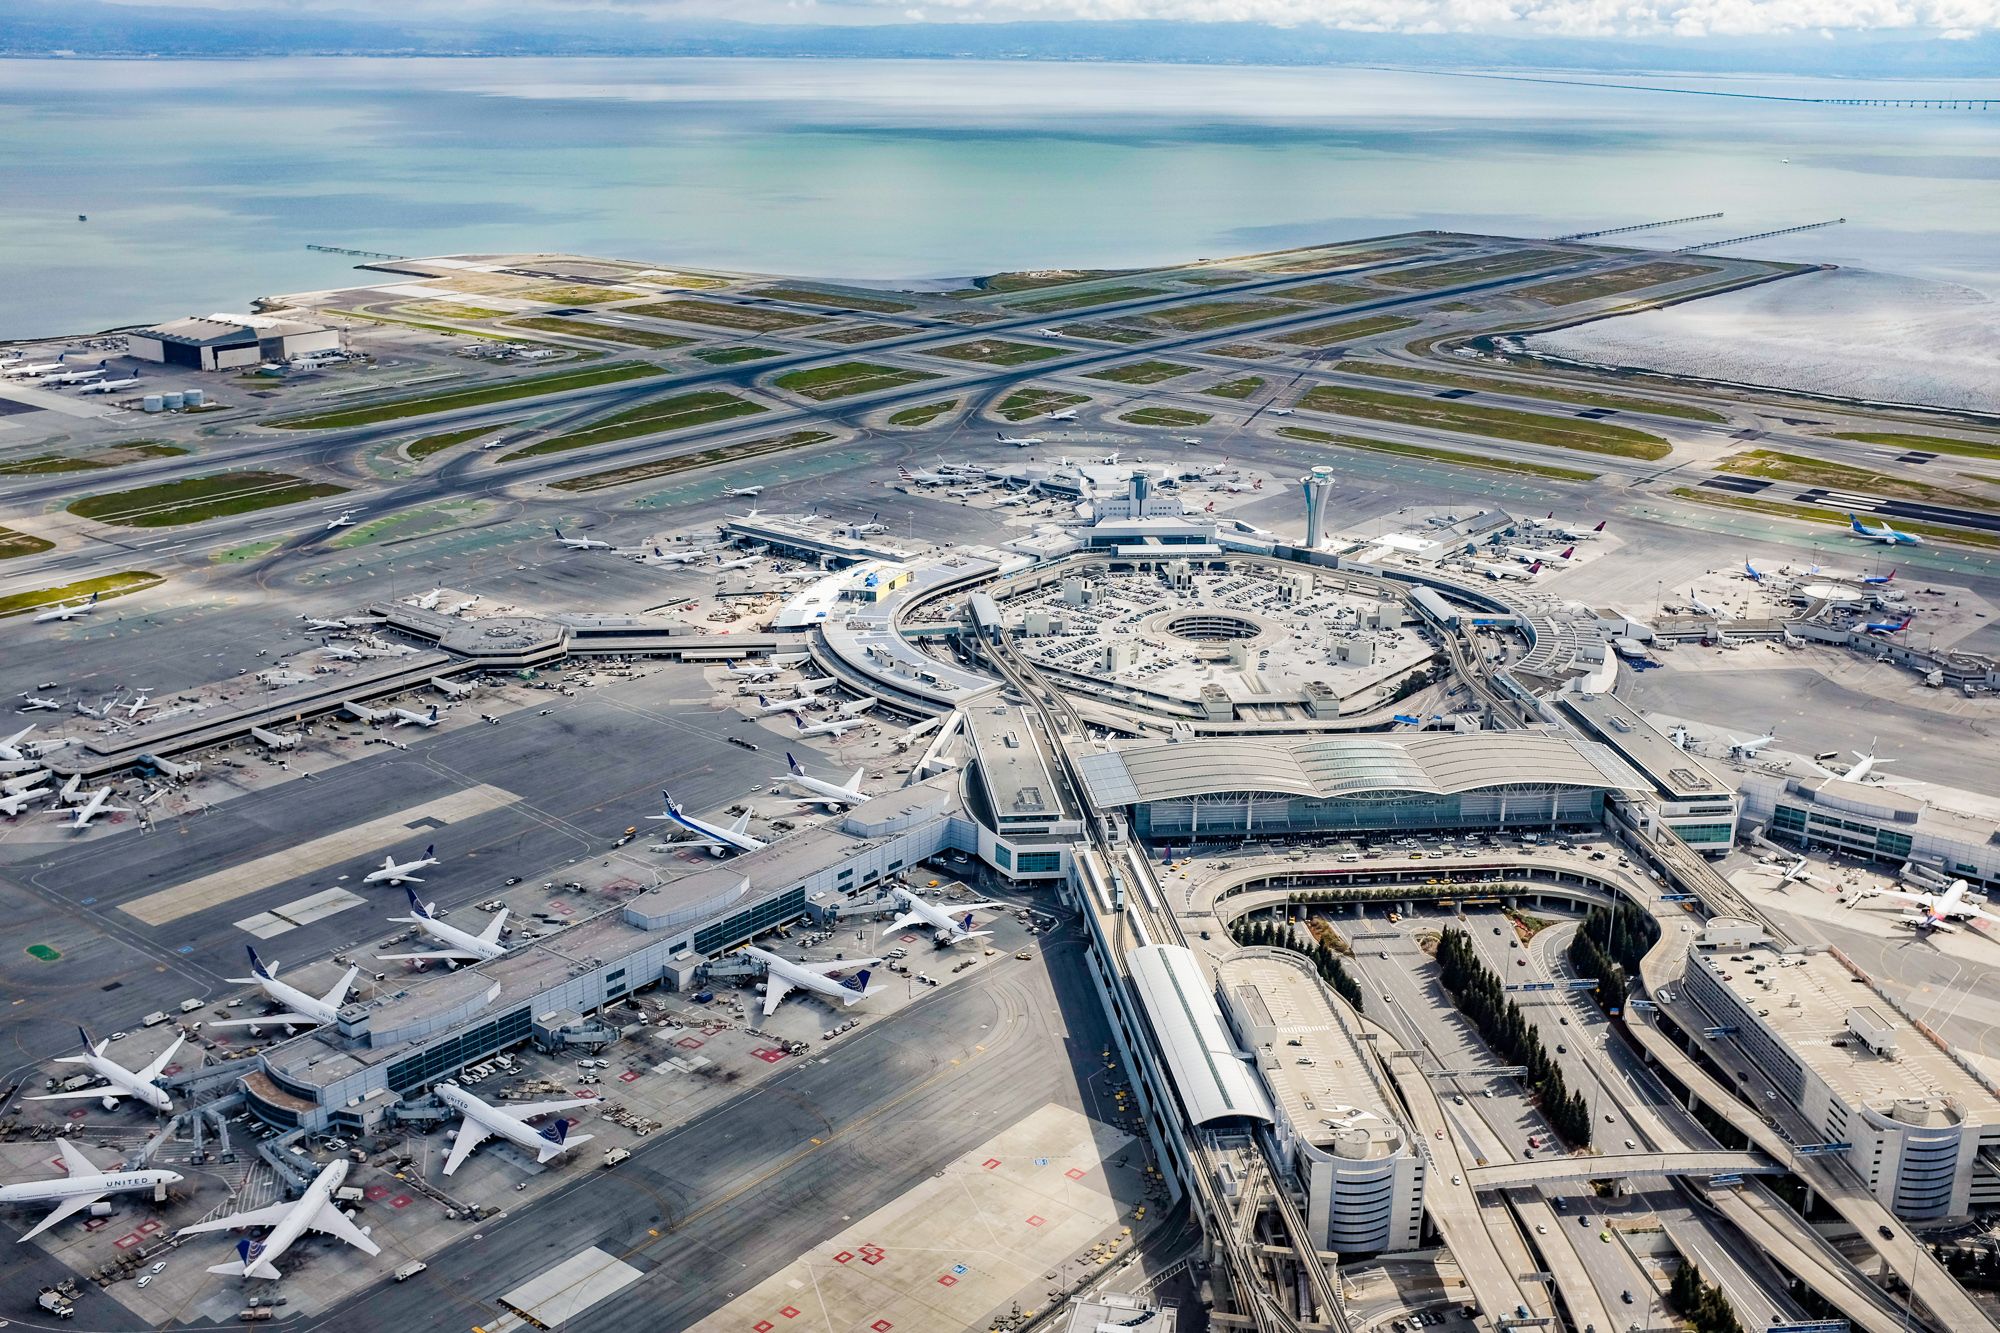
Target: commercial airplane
column 37, row 369
column 140, row 703
column 830, row 794
column 13, row 803
column 685, row 555
column 1935, row 911
column 1887, row 627
column 782, row 976
column 1701, row 608
column 136, row 1083
column 312, row 1211
column 1878, row 580
column 11, row 747
column 1021, row 441
column 1493, row 571
column 1528, row 555
column 743, row 492
column 427, row 601
column 1885, row 534
column 344, row 519
column 756, row 671
column 1061, row 414
column 948, row 931
column 461, row 946
column 485, row 1121
column 1746, row 749
column 1864, row 764
column 922, row 478
column 300, row 1009
column 741, row 562
column 108, row 386
column 74, row 376
column 1280, row 411
column 836, row 726
column 95, row 804
column 394, row 872
column 406, row 717
column 1572, row 534
column 69, row 610
column 1050, row 333
column 1751, row 572
column 721, row 841
column 1111, row 459
column 31, row 703
column 580, row 543
column 84, row 1185
column 1796, row 872
column 874, row 524
column 798, row 703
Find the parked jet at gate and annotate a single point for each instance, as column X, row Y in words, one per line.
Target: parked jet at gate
column 140, row 1083
column 395, row 872
column 1745, row 749
column 835, row 726
column 1885, row 534
column 312, row 1211
column 948, row 931
column 922, row 478
column 721, row 841
column 685, row 555
column 485, row 1121
column 69, row 610
column 830, row 794
column 461, row 946
column 782, row 976
column 793, row 705
column 300, row 1009
column 1885, row 628
column 84, row 1185
column 13, row 803
column 755, row 671
column 95, row 803
column 1936, row 911
column 1878, row 580
column 407, row 717
column 31, row 703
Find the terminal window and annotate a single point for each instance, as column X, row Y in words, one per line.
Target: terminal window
column 454, row 1053
column 748, row 922
column 1039, row 863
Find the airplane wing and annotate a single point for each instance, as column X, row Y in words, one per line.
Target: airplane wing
column 775, row 989
column 160, row 1062
column 271, row 1020
column 975, row 907
column 330, row 1221
column 839, row 965
column 442, row 955
column 256, row 1217
column 338, row 995
column 470, row 1135
column 854, row 783
column 529, row 1110
column 67, row 1208
column 907, row 919
column 741, row 825
column 107, row 1091
column 74, row 1162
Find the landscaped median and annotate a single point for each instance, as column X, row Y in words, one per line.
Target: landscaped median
column 14, row 543
column 667, row 467
column 1776, row 465
column 844, row 379
column 104, row 585
column 94, row 461
column 678, row 412
column 1426, row 452
column 1502, row 423
column 195, row 499
column 498, row 391
column 1521, row 387
column 1828, row 518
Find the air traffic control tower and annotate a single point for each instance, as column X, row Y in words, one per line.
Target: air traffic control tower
column 1317, row 487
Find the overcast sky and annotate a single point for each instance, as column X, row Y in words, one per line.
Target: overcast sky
column 1582, row 18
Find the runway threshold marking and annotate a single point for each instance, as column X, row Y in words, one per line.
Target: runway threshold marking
column 240, row 881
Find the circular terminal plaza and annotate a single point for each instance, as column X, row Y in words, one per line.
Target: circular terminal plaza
column 1248, row 640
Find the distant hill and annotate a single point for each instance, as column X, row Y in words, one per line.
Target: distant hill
column 93, row 28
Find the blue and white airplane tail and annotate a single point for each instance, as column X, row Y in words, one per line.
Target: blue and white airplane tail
column 858, row 983
column 250, row 1262
column 418, row 907
column 556, row 1139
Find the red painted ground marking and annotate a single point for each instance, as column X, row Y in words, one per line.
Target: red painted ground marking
column 1075, row 1173
column 59, row 1164
column 947, row 1281
column 875, row 1250
column 171, row 1069
column 629, row 1076
column 374, row 1192
column 710, row 1029
column 400, row 1201
column 78, row 1114
column 97, row 1224
column 763, row 1326
column 1036, row 1221
column 843, row 1257
column 561, row 908
column 906, row 939
column 128, row 1241
column 221, row 1041
column 588, row 1094
column 881, row 1326
column 990, row 1163
column 621, row 886
column 768, row 1055
column 147, row 1228
column 871, row 1259
column 790, row 1312
column 690, row 1043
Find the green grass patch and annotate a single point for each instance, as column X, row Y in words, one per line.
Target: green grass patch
column 1427, row 452
column 409, row 523
column 858, row 333
column 746, row 318
column 881, row 305
column 732, row 356
column 45, row 464
column 1204, row 315
column 1526, row 388
column 1028, row 280
column 1808, row 471
column 1024, row 403
column 425, row 446
column 1933, row 444
column 499, row 391
column 844, row 379
column 1430, row 277
column 104, row 585
column 666, row 467
column 1141, row 372
column 608, row 333
column 1503, row 423
column 1828, row 519
column 1332, row 293
column 197, row 499
column 1325, row 335
column 1590, row 286
column 922, row 416
column 1166, row 416
column 243, row 555
column 575, row 295
column 667, row 277
column 13, row 543
column 996, row 352
column 449, row 310
column 677, row 412
column 1243, row 351
column 1242, row 388
column 1109, row 333
column 1049, row 305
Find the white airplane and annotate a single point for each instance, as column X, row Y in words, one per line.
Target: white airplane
column 1279, row 411
column 1493, row 571
column 461, row 946
column 1746, row 749
column 1021, row 441
column 744, row 492
column 755, row 671
column 836, row 726
column 37, row 369
column 1110, row 459
column 1859, row 770
column 919, row 910
column 741, row 562
column 344, row 519
column 1549, row 525
column 407, row 717
column 874, row 524
column 721, row 841
column 426, row 602
column 922, row 478
column 312, row 1211
column 32, row 703
column 69, row 610
column 686, row 555
column 140, row 703
column 1936, row 911
column 95, row 803
column 1050, row 333
column 796, row 704
column 580, row 543
column 300, row 1009
column 25, row 781
column 108, row 386
column 11, row 746
column 136, row 1083
column 1885, row 534
column 1528, row 554
column 1701, row 608
column 74, row 376
column 341, row 652
column 1061, row 414
column 84, row 1185
column 782, row 976
column 404, row 872
column 485, row 1121
column 13, row 803
column 830, row 794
